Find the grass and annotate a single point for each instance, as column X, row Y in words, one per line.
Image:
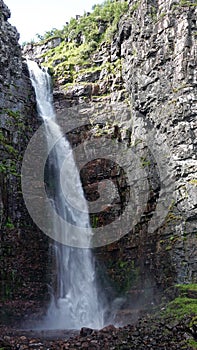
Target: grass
column 187, row 287
column 181, row 306
column 192, row 343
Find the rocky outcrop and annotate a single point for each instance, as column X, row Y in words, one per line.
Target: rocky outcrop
column 31, row 50
column 18, row 121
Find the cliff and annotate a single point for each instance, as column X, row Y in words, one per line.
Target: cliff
column 22, row 247
column 127, row 82
column 160, row 74
column 140, row 89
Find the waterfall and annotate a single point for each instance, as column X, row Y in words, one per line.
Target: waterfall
column 75, row 302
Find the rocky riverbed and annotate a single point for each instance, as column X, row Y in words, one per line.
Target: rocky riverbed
column 150, row 332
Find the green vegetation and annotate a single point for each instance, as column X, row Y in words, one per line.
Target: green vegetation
column 11, row 113
column 192, row 343
column 145, row 162
column 80, row 39
column 124, row 275
column 135, row 6
column 8, row 166
column 193, row 182
column 184, row 3
column 180, row 307
column 9, row 224
column 187, row 3
column 172, row 217
column 16, row 120
column 153, row 13
column 184, row 305
column 107, row 14
column 7, row 147
column 95, row 221
column 162, row 15
column 187, row 287
column 11, row 155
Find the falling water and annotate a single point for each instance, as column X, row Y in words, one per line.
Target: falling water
column 75, row 302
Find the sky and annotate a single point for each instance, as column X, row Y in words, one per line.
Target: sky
column 38, row 16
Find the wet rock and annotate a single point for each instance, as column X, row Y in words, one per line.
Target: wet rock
column 108, row 329
column 5, row 344
column 148, row 333
column 84, row 332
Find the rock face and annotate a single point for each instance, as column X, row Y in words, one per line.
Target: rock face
column 18, row 121
column 160, row 74
column 142, row 98
column 156, row 45
column 16, row 101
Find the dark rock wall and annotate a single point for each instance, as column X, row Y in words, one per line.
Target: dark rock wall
column 23, row 249
column 18, row 117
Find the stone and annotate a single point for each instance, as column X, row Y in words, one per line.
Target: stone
column 109, row 329
column 89, row 77
column 84, row 332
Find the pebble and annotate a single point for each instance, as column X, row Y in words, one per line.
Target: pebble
column 147, row 334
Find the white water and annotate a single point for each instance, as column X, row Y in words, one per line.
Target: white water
column 75, row 302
